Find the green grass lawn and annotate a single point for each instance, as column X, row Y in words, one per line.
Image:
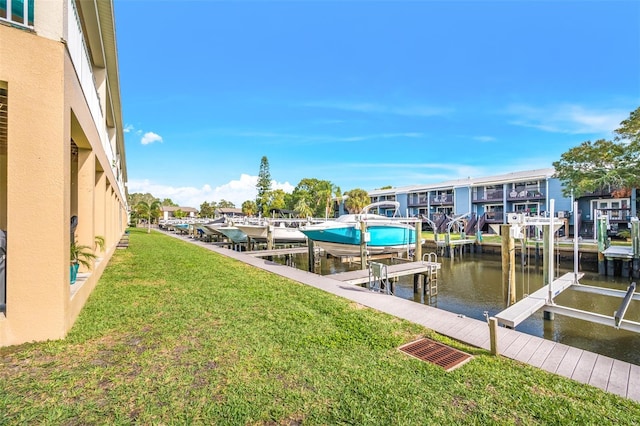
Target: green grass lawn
column 175, row 334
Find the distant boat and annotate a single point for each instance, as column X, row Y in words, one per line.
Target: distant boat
column 341, row 237
column 281, row 234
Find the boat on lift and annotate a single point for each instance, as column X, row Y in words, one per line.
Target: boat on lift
column 343, row 236
column 281, row 234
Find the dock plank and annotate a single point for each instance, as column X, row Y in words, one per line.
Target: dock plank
column 582, row 371
column 554, row 358
column 541, row 354
column 393, row 271
column 517, row 345
column 528, row 349
column 506, row 338
column 601, row 372
column 633, row 388
column 619, row 378
column 569, row 362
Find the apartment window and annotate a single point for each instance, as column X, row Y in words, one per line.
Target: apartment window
column 17, row 11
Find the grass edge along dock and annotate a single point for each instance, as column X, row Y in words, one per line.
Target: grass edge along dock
column 177, row 334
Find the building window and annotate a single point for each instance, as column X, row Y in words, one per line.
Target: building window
column 17, row 11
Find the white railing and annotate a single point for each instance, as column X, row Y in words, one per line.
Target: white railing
column 82, row 64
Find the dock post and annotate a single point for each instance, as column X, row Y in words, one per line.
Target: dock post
column 311, row 253
column 269, row 237
column 626, row 268
column 493, row 335
column 363, row 246
column 601, row 231
column 548, row 316
column 447, row 244
column 508, row 266
column 417, row 253
column 546, row 250
column 611, row 266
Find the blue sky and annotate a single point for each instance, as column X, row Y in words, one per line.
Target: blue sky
column 365, row 93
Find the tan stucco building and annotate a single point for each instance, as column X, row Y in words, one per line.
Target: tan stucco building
column 61, row 156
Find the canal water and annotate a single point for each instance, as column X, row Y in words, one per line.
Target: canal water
column 472, row 285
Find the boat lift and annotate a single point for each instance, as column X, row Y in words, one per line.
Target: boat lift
column 544, row 297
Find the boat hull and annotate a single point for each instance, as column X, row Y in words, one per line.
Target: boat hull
column 345, row 240
column 232, row 233
column 280, row 234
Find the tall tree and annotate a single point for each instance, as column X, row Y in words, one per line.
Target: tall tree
column 224, row 204
column 249, row 208
column 168, row 202
column 148, row 211
column 275, row 200
column 603, row 164
column 263, row 185
column 356, row 200
column 317, row 194
column 303, row 209
column 134, row 198
column 208, row 209
column 326, row 193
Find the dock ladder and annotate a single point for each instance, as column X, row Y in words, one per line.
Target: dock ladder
column 431, row 277
column 378, row 278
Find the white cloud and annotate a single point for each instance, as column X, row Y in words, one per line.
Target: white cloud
column 567, row 118
column 236, row 191
column 128, row 128
column 150, row 137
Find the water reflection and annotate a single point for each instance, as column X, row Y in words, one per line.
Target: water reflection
column 473, row 285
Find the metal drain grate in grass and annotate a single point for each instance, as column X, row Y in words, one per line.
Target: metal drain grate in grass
column 436, row 353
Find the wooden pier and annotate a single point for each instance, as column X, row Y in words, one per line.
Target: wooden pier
column 448, row 247
column 393, row 271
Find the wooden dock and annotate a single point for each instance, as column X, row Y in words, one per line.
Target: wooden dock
column 393, row 271
column 465, row 242
column 515, row 314
column 618, row 252
column 278, row 252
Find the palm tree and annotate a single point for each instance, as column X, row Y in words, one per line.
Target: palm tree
column 144, row 209
column 303, row 208
column 357, row 200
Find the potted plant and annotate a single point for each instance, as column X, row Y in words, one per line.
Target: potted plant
column 83, row 255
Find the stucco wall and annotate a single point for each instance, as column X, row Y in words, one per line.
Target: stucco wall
column 46, row 109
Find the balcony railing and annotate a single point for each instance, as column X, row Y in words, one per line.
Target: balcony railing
column 488, row 197
column 416, row 201
column 82, row 65
column 525, row 195
column 442, row 199
column 494, row 217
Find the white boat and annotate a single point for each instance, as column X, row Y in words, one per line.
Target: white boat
column 342, row 237
column 281, row 233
